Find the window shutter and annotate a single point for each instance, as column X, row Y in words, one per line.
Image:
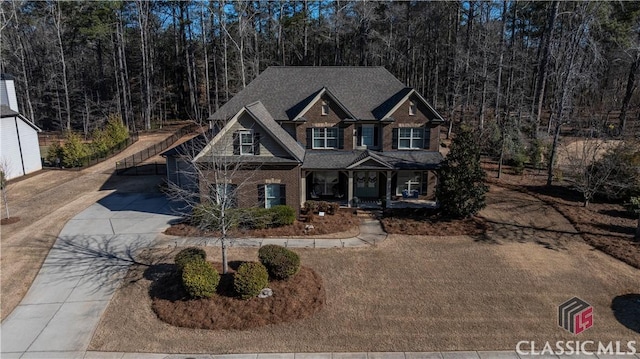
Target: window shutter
column 423, row 183
column 426, row 141
column 256, row 143
column 309, row 137
column 340, row 137
column 261, row 194
column 236, row 143
column 376, row 134
column 394, row 139
column 359, row 135
column 283, row 194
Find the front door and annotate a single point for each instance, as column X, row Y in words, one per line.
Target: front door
column 366, row 184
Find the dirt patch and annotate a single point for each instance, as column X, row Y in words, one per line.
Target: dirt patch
column 299, row 297
column 429, row 222
column 344, row 224
column 10, row 220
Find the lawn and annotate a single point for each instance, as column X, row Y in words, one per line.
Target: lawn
column 413, row 293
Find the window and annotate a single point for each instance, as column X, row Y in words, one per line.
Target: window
column 409, row 138
column 246, row 143
column 326, row 137
column 325, row 108
column 274, row 195
column 408, row 184
column 325, row 183
column 368, row 136
column 412, row 108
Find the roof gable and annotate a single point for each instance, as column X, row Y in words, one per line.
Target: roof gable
column 389, row 107
column 323, row 92
column 7, row 112
column 262, row 117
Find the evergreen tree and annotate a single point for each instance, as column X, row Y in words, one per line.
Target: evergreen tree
column 461, row 189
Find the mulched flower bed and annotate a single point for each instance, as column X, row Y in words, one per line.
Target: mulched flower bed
column 296, row 298
column 428, row 222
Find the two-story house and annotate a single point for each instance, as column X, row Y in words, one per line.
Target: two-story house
column 345, row 134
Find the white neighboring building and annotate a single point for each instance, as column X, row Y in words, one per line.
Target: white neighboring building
column 19, row 147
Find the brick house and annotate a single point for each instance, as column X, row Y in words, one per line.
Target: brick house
column 345, row 134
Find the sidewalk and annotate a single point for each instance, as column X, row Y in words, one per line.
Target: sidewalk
column 371, row 233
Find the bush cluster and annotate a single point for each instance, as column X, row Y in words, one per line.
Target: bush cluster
column 189, row 255
column 207, row 216
column 321, row 206
column 199, row 278
column 74, row 152
column 281, row 263
column 250, row 279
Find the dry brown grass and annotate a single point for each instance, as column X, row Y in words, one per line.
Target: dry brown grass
column 416, row 293
column 606, row 226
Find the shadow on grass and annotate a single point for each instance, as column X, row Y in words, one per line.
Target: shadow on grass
column 626, row 309
column 615, row 228
column 618, row 213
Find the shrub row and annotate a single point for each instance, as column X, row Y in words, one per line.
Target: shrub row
column 207, row 216
column 281, row 263
column 250, row 279
column 199, row 278
column 321, row 206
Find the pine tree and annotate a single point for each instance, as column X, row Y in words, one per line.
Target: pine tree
column 461, row 189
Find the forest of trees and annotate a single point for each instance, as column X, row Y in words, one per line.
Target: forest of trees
column 512, row 68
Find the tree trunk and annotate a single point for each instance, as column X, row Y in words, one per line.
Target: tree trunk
column 542, row 69
column 631, row 86
column 58, row 24
column 554, row 149
column 637, row 229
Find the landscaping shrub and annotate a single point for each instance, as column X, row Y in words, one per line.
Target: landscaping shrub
column 250, row 279
column 189, row 255
column 200, row 279
column 321, row 206
column 281, row 263
column 282, row 215
column 254, row 218
column 74, row 151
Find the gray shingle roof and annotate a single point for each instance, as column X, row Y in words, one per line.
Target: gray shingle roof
column 262, row 116
column 335, row 159
column 5, row 111
column 285, row 90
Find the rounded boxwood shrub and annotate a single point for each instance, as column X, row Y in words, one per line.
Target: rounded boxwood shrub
column 250, row 279
column 282, row 215
column 188, row 255
column 281, row 263
column 200, row 279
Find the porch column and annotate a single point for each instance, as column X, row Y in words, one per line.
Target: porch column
column 389, row 174
column 350, row 189
column 303, row 188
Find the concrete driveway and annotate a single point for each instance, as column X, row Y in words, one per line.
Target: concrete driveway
column 83, row 269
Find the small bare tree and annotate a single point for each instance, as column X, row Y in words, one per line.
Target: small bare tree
column 216, row 175
column 5, row 167
column 590, row 165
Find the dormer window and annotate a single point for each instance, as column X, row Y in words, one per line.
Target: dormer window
column 412, row 108
column 325, row 108
column 246, row 143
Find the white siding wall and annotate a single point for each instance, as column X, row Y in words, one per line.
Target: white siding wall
column 30, row 147
column 10, row 150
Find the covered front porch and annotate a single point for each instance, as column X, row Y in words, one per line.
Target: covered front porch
column 370, row 188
